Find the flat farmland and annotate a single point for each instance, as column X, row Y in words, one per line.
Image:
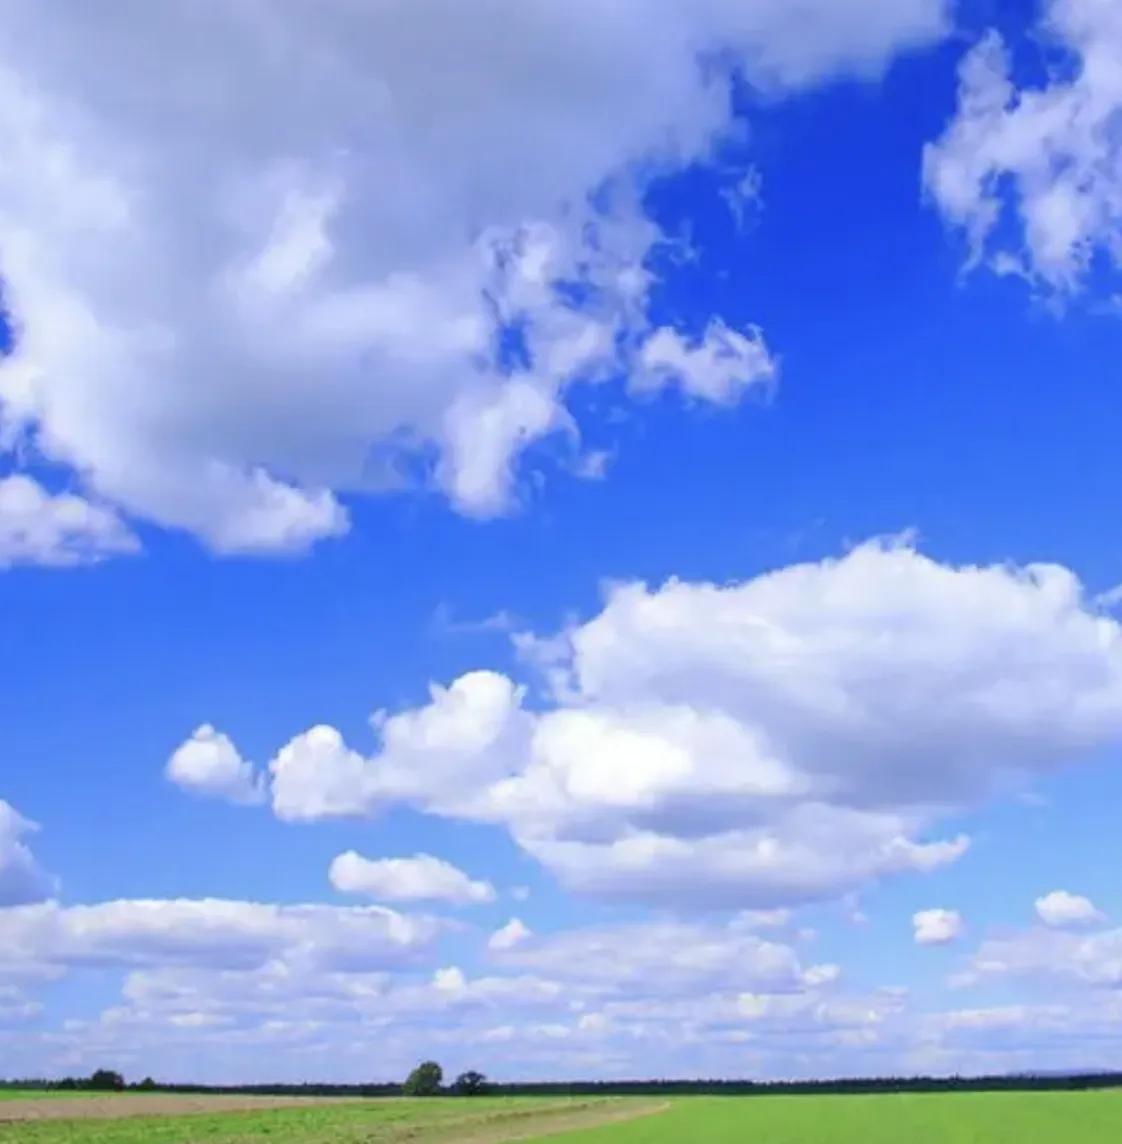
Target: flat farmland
column 136, row 1118
column 888, row 1118
column 945, row 1118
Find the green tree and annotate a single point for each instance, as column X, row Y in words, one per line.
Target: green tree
column 424, row 1080
column 106, row 1080
column 470, row 1083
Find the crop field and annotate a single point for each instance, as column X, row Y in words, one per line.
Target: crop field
column 131, row 1118
column 942, row 1118
column 950, row 1118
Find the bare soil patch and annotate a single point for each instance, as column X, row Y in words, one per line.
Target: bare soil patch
column 549, row 1123
column 114, row 1107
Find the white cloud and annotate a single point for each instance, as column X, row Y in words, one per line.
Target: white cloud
column 937, row 927
column 208, row 763
column 1042, row 164
column 56, row 529
column 447, row 753
column 660, row 958
column 1059, row 908
column 208, row 933
column 1051, row 954
column 507, row 937
column 753, row 744
column 235, row 296
column 720, row 367
column 21, row 878
column 420, row 878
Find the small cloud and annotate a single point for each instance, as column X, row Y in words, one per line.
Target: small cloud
column 819, row 975
column 450, row 980
column 744, row 198
column 208, row 763
column 593, row 465
column 22, row 880
column 420, row 878
column 1112, row 598
column 937, row 927
column 510, row 935
column 445, row 622
column 59, row 530
column 1059, row 908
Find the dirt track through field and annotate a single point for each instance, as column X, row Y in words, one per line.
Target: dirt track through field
column 459, row 1123
column 548, row 1123
column 144, row 1104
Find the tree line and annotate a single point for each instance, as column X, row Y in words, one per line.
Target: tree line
column 427, row 1080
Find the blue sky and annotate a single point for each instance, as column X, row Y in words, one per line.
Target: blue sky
column 693, row 430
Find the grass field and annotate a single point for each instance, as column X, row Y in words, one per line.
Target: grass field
column 941, row 1118
column 38, row 1094
column 956, row 1118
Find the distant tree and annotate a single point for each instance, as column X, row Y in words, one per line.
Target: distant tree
column 424, row 1080
column 470, row 1083
column 147, row 1084
column 106, row 1080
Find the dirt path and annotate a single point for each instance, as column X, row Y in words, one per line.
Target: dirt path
column 114, row 1107
column 550, row 1123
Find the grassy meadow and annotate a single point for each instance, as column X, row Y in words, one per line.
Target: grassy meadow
column 883, row 1118
column 943, row 1118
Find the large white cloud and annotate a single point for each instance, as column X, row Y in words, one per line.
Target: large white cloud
column 1033, row 174
column 420, row 878
column 255, row 255
column 21, row 878
column 758, row 743
column 211, row 933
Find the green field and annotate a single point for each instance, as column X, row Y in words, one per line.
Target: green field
column 943, row 1118
column 38, row 1093
column 957, row 1118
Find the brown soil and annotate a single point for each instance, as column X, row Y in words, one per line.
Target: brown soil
column 498, row 1126
column 567, row 1120
column 142, row 1104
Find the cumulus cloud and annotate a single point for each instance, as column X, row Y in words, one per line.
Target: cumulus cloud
column 235, row 297
column 510, row 935
column 208, row 763
column 660, row 957
column 936, row 927
column 1032, row 175
column 210, row 933
column 752, row 744
column 446, row 753
column 21, row 878
column 420, row 878
column 56, row 529
column 1051, row 955
column 1059, row 908
column 239, row 986
column 1029, row 1035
